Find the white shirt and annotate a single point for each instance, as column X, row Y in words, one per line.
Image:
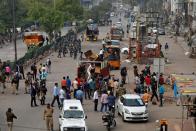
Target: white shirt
column 61, row 93
column 44, row 68
column 116, row 84
column 75, row 84
column 47, row 61
column 101, row 52
column 95, row 96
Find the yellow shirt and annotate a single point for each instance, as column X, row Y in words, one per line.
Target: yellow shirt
column 146, row 97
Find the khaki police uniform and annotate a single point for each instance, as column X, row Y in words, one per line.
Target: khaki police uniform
column 48, row 113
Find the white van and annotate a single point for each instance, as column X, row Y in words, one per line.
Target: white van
column 72, row 116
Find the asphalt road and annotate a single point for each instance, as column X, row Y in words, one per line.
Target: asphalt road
column 31, row 119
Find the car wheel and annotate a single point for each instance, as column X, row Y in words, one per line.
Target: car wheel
column 123, row 118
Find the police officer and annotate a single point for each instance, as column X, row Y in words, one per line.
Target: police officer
column 64, row 50
column 48, row 116
column 59, row 53
column 75, row 52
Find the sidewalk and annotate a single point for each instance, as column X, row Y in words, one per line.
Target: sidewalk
column 176, row 125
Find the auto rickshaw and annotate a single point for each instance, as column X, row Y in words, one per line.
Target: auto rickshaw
column 113, row 55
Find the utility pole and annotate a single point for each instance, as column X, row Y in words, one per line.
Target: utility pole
column 14, row 27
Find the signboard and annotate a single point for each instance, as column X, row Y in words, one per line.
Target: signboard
column 159, row 65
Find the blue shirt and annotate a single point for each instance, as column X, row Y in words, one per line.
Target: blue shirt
column 92, row 84
column 79, row 94
column 55, row 91
column 111, row 100
column 44, row 75
column 176, row 90
column 161, row 89
column 68, row 82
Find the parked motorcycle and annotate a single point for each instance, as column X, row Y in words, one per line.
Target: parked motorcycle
column 108, row 120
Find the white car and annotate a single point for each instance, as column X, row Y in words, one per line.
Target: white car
column 125, row 50
column 132, row 108
column 154, row 30
column 112, row 14
column 72, row 116
column 119, row 25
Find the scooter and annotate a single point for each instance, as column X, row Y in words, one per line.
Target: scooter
column 108, row 120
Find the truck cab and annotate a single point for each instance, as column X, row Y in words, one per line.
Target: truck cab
column 72, row 116
column 117, row 33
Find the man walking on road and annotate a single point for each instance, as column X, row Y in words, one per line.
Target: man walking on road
column 62, row 96
column 123, row 73
column 55, row 95
column 48, row 116
column 68, row 83
column 34, row 70
column 161, row 93
column 166, row 47
column 63, row 83
column 10, row 116
column 33, row 95
column 95, row 99
column 79, row 95
column 48, row 64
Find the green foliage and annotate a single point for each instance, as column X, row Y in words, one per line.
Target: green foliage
column 98, row 11
column 71, row 9
column 6, row 13
column 52, row 20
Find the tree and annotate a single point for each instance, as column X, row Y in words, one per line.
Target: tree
column 52, row 20
column 6, row 13
column 71, row 9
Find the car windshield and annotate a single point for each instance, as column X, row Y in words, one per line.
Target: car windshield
column 73, row 114
column 133, row 102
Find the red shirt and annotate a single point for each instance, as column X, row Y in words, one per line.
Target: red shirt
column 161, row 80
column 63, row 83
column 79, row 81
column 147, row 80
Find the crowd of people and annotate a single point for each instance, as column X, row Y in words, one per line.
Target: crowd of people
column 149, row 84
column 9, row 75
column 68, row 44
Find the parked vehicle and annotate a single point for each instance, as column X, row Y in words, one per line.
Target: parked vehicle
column 154, row 30
column 125, row 50
column 33, row 39
column 112, row 54
column 92, row 31
column 116, row 33
column 132, row 108
column 161, row 31
column 72, row 116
